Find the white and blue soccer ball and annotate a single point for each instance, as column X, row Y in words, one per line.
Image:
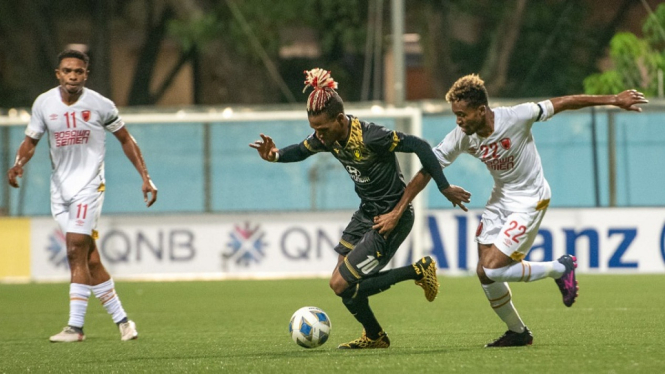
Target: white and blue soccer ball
column 310, row 327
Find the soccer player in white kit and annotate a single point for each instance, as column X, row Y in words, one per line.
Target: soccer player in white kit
column 76, row 119
column 501, row 138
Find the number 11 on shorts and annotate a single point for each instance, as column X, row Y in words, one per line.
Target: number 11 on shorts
column 82, row 208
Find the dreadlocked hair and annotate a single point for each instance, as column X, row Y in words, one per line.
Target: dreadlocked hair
column 469, row 88
column 323, row 98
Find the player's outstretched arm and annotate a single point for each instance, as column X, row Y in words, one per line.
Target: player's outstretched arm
column 268, row 151
column 266, row 148
column 455, row 194
column 626, row 100
column 133, row 153
column 25, row 152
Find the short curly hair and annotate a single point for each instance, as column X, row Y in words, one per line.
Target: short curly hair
column 469, row 88
column 73, row 53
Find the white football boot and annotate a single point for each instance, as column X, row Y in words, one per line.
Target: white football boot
column 128, row 331
column 68, row 335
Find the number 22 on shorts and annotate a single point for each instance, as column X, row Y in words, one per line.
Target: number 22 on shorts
column 515, row 235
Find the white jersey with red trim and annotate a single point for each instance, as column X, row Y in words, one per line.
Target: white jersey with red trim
column 510, row 155
column 77, row 135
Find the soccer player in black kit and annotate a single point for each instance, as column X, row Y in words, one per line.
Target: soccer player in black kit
column 367, row 152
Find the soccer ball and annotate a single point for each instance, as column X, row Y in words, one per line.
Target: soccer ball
column 310, row 327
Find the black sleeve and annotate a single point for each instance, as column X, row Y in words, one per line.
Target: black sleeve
column 294, row 153
column 414, row 144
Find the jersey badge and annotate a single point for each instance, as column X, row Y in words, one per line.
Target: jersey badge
column 505, row 143
column 53, row 117
column 86, row 115
column 357, row 155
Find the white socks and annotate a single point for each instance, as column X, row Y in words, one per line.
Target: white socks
column 78, row 303
column 525, row 271
column 500, row 298
column 105, row 292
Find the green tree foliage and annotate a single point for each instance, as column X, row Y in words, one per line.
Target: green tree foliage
column 339, row 26
column 531, row 49
column 636, row 60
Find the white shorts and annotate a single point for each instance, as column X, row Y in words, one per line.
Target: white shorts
column 513, row 233
column 81, row 214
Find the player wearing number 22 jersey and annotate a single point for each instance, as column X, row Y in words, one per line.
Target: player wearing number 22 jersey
column 510, row 155
column 501, row 138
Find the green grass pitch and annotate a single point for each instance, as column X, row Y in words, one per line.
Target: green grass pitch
column 616, row 326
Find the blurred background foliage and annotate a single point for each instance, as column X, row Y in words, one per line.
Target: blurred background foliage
column 254, row 52
column 637, row 62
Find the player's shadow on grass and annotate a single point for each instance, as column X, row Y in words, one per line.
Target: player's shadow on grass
column 410, row 351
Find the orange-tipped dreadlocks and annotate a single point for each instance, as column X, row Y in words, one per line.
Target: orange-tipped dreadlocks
column 324, row 88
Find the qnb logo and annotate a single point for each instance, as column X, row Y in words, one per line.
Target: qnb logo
column 57, row 249
column 356, row 175
column 246, row 245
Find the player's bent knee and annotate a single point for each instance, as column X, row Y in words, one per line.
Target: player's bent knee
column 496, row 275
column 338, row 287
column 480, row 272
column 338, row 284
column 76, row 253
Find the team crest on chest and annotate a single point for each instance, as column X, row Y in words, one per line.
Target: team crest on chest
column 357, row 155
column 505, row 143
column 86, row 115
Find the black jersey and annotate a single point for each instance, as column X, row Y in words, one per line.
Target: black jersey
column 369, row 158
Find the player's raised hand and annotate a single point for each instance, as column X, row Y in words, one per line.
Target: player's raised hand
column 629, row 99
column 458, row 196
column 265, row 147
column 149, row 188
column 15, row 172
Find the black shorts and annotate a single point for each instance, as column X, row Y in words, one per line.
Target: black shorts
column 366, row 251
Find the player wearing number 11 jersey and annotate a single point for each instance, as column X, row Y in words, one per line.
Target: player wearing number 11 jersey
column 76, row 120
column 501, row 138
